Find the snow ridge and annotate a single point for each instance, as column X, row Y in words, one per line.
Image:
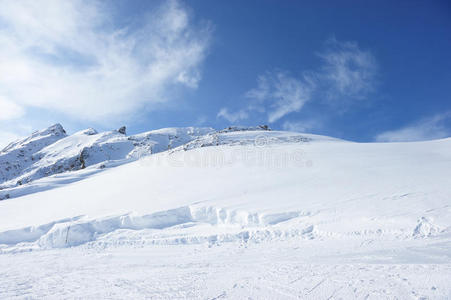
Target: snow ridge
column 20, row 155
column 241, row 225
column 52, row 151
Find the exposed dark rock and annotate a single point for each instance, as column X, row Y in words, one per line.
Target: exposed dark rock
column 83, row 155
column 122, row 130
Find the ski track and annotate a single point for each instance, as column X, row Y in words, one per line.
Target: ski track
column 196, row 272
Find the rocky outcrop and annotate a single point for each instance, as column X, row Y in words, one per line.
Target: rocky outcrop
column 122, row 130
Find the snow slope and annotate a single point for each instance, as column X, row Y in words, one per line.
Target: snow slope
column 20, row 155
column 238, row 213
column 51, row 151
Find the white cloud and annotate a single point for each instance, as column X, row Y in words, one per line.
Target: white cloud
column 9, row 110
column 283, row 93
column 69, row 56
column 426, row 129
column 233, row 117
column 301, row 126
column 201, row 120
column 347, row 71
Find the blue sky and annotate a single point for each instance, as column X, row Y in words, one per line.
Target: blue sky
column 358, row 70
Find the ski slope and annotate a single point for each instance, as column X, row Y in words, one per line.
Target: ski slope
column 235, row 214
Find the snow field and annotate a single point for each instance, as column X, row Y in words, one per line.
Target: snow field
column 224, row 216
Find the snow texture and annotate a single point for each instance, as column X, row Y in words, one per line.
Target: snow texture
column 236, row 213
column 51, row 151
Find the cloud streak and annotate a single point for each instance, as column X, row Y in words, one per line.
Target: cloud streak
column 71, row 57
column 301, row 126
column 233, row 117
column 282, row 93
column 347, row 71
column 431, row 128
column 346, row 74
column 9, row 110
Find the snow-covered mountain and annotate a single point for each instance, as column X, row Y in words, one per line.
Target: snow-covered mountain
column 52, row 151
column 234, row 213
column 20, row 155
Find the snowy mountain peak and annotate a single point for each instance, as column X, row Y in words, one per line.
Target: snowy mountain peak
column 122, row 130
column 51, row 151
column 41, row 137
column 89, row 131
column 56, row 129
column 18, row 156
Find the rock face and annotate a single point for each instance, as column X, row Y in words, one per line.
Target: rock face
column 122, row 130
column 241, row 128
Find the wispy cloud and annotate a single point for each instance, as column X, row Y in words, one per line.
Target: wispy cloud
column 201, row 120
column 233, row 117
column 282, row 93
column 301, row 126
column 9, row 110
column 277, row 94
column 346, row 74
column 70, row 57
column 435, row 127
